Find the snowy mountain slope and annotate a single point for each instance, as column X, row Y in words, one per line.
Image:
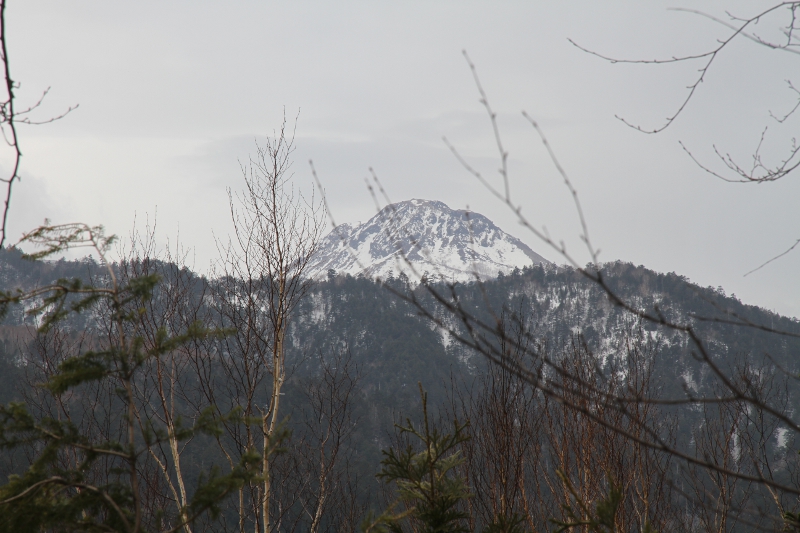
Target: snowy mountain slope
column 452, row 245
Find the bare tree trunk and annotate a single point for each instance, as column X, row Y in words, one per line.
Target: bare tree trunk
column 276, row 233
column 270, row 418
column 174, row 308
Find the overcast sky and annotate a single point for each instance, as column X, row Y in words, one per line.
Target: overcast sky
column 173, row 94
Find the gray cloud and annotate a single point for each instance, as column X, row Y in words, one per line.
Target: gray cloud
column 172, row 94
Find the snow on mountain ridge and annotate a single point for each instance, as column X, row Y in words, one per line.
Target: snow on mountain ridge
column 449, row 244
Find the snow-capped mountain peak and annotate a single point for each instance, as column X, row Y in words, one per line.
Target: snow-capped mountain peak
column 452, row 245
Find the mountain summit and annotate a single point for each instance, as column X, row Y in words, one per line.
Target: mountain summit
column 452, row 245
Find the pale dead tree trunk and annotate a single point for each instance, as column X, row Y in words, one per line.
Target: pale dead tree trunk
column 98, row 411
column 161, row 392
column 276, row 233
column 101, row 411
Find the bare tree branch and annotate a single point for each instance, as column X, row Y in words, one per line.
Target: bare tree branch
column 709, row 56
column 792, row 247
column 10, row 117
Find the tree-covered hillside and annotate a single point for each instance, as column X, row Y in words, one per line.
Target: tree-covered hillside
column 356, row 350
column 395, row 347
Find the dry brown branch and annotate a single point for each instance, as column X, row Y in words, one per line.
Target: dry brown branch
column 709, row 56
column 570, row 388
column 759, row 171
column 10, row 117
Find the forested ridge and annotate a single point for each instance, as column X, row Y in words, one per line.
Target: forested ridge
column 357, row 349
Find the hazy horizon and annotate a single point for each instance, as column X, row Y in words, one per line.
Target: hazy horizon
column 173, row 95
